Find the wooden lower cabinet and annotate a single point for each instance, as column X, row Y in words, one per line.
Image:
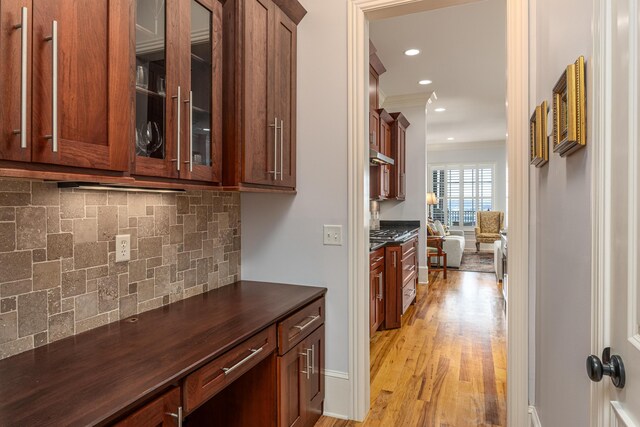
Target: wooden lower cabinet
column 300, row 382
column 376, row 290
column 163, row 411
column 401, row 278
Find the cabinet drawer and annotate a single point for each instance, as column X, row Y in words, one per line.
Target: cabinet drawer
column 376, row 259
column 409, row 247
column 408, row 267
column 294, row 328
column 207, row 381
column 408, row 294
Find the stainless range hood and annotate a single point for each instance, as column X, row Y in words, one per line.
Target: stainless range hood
column 377, row 158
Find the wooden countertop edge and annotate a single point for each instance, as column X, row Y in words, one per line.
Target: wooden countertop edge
column 108, row 416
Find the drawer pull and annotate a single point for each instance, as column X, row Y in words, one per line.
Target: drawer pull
column 178, row 417
column 411, row 268
column 253, row 351
column 378, row 259
column 306, row 325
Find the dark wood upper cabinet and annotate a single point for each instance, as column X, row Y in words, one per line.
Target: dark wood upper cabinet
column 71, row 99
column 178, row 89
column 380, row 176
column 398, row 186
column 260, row 93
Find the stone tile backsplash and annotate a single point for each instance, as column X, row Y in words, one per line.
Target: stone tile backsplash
column 58, row 275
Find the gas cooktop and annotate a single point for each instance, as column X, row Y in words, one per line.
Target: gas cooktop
column 388, row 235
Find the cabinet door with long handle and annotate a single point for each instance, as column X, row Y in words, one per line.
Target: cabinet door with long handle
column 201, row 73
column 314, row 392
column 15, row 84
column 285, row 48
column 293, row 368
column 81, row 102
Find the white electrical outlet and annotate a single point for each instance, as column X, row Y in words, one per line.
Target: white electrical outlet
column 333, row 235
column 123, row 247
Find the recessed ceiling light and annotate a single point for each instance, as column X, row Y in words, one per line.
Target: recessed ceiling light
column 440, row 110
column 450, row 138
column 425, row 82
column 411, row 52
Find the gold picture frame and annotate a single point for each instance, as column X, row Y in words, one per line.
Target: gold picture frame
column 538, row 139
column 569, row 110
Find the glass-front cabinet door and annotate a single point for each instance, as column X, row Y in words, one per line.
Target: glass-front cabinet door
column 178, row 89
column 203, row 76
column 157, row 89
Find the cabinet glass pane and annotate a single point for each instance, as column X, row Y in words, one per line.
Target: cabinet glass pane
column 201, row 81
column 151, row 75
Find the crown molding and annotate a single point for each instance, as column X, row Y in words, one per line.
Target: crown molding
column 405, row 8
column 451, row 146
column 409, row 100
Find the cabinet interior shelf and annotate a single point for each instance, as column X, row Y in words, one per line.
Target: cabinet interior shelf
column 200, row 59
column 144, row 91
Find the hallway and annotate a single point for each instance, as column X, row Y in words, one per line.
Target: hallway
column 447, row 365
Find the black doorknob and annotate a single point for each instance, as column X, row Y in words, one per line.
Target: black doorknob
column 611, row 366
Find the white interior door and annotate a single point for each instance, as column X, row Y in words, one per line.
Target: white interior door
column 618, row 287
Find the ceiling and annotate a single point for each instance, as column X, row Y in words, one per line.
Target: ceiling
column 463, row 51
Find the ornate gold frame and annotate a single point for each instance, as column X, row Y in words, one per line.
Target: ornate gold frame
column 538, row 140
column 569, row 110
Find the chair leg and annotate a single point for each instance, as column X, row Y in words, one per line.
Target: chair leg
column 444, row 266
column 477, row 246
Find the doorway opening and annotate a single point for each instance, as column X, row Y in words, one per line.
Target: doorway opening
column 361, row 13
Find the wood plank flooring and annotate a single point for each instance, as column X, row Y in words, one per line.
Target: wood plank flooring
column 446, row 366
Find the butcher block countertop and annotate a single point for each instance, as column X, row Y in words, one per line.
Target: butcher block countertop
column 95, row 377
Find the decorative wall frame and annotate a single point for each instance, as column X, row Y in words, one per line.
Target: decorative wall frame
column 538, row 140
column 569, row 110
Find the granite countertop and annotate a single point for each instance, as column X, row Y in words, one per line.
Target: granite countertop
column 411, row 227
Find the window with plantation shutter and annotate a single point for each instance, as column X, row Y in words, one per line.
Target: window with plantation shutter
column 462, row 190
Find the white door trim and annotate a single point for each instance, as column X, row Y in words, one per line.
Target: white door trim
column 518, row 208
column 600, row 199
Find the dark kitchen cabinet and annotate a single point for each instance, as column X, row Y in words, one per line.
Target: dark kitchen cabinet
column 260, row 51
column 178, row 89
column 401, row 278
column 398, row 172
column 376, row 290
column 380, row 175
column 163, row 411
column 65, row 98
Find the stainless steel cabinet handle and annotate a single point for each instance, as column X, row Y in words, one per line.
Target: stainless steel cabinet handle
column 177, row 159
column 313, row 359
column 253, row 354
column 303, row 327
column 380, row 291
column 177, row 416
column 190, row 102
column 23, row 26
column 275, row 148
column 306, row 356
column 281, row 150
column 394, row 259
column 53, row 38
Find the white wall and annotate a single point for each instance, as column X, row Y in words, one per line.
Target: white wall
column 281, row 234
column 562, row 228
column 414, row 207
column 489, row 152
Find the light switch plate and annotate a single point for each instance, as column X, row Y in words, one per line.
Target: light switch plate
column 333, row 235
column 123, row 247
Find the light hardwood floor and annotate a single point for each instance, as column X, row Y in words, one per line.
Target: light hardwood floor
column 446, row 366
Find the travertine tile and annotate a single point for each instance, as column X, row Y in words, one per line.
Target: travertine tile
column 15, row 266
column 39, row 255
column 8, row 304
column 31, row 227
column 136, row 204
column 16, row 288
column 61, row 326
column 54, row 301
column 66, row 225
column 149, row 247
column 163, row 284
column 176, row 234
column 107, row 293
column 192, row 241
column 67, row 304
column 117, row 198
column 97, row 272
column 145, row 226
column 90, row 254
column 86, row 306
column 7, row 236
column 146, row 290
column 107, row 222
column 14, row 347
column 184, row 261
column 128, row 306
column 44, row 194
column 15, row 199
column 8, row 327
column 162, row 220
column 32, row 313
column 7, row 213
column 92, row 323
column 202, row 271
column 53, row 219
column 85, row 230
column 15, row 185
column 182, row 204
column 71, row 205
column 137, row 270
column 40, row 339
column 74, row 283
column 46, row 275
column 59, row 246
column 190, row 278
column 93, row 198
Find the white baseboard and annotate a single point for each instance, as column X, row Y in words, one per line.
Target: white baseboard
column 423, row 274
column 534, row 421
column 337, row 399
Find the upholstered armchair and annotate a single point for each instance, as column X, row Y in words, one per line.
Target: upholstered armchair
column 488, row 226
